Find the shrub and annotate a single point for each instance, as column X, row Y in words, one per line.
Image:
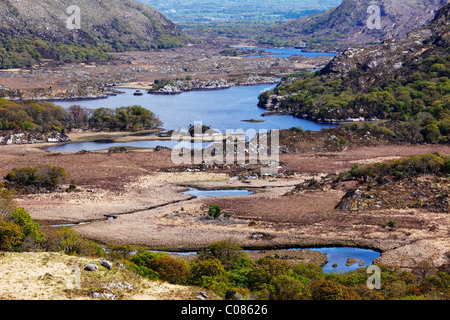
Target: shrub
column 169, row 269
column 214, row 211
column 73, row 244
column 140, row 263
column 239, row 272
column 266, row 270
column 10, row 235
column 30, row 228
column 42, row 176
column 310, row 271
column 392, row 224
column 203, row 273
column 284, row 287
column 227, row 251
column 330, row 290
column 7, row 202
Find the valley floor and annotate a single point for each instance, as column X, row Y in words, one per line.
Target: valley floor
column 135, row 197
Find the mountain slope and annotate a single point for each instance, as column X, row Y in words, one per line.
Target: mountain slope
column 32, row 29
column 403, row 79
column 347, row 23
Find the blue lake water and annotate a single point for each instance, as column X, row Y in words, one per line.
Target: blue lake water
column 287, row 52
column 339, row 256
column 218, row 109
column 221, row 110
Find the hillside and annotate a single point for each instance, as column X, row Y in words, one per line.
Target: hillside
column 27, row 36
column 51, row 276
column 347, row 23
column 404, row 79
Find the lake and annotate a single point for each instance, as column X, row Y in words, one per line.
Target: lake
column 287, row 52
column 96, row 146
column 219, row 109
column 222, row 110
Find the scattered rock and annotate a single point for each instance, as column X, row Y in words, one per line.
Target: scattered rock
column 105, row 263
column 91, row 267
column 203, row 294
column 352, row 261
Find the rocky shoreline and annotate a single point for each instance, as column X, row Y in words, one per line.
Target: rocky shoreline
column 19, row 137
column 274, row 106
column 180, row 86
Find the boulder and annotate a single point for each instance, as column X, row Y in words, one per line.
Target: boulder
column 91, row 267
column 105, row 263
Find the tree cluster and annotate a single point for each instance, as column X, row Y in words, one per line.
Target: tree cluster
column 45, row 116
column 36, row 178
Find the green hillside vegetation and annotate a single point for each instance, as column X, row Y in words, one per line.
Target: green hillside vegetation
column 420, row 100
column 30, row 115
column 45, row 116
column 409, row 93
column 106, row 27
column 408, row 167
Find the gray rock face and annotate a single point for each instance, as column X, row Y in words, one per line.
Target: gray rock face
column 348, row 23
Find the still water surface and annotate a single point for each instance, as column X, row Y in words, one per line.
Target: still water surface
column 222, row 110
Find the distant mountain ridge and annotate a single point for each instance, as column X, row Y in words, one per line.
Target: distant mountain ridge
column 32, row 29
column 347, row 23
column 405, row 80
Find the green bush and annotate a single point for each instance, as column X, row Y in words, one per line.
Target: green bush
column 30, row 228
column 284, row 287
column 204, row 273
column 10, row 235
column 73, row 244
column 330, row 290
column 170, row 269
column 42, row 176
column 226, row 251
column 214, row 211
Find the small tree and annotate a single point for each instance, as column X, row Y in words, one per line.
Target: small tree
column 214, row 211
column 393, row 224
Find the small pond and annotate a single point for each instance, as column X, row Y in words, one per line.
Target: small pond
column 339, row 256
column 217, row 193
